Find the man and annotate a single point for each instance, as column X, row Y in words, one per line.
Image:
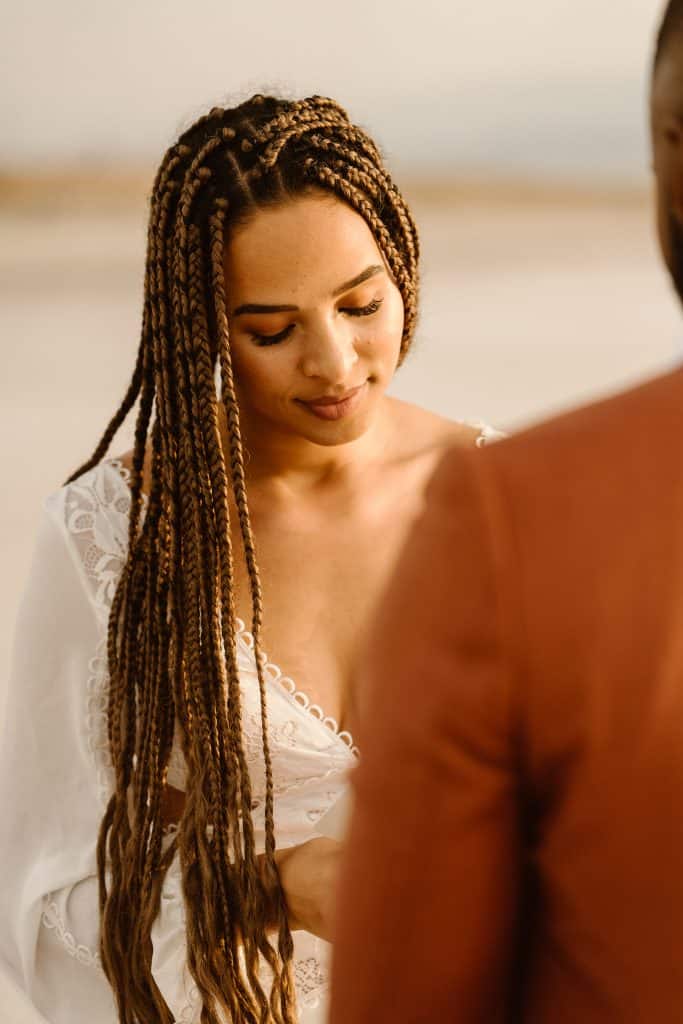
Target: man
column 516, row 852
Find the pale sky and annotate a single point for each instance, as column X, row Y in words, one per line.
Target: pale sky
column 551, row 87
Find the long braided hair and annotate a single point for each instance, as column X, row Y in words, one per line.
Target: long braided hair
column 171, row 637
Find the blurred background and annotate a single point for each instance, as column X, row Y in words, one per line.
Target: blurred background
column 518, row 132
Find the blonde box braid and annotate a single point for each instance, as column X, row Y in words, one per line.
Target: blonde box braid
column 172, row 634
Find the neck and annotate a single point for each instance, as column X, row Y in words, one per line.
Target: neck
column 297, row 464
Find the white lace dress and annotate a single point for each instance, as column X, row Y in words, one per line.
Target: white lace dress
column 56, row 776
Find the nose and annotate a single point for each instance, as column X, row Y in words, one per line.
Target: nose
column 330, row 353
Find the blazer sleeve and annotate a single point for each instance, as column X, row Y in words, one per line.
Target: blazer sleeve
column 429, row 885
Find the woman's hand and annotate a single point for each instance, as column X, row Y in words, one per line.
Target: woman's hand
column 308, row 875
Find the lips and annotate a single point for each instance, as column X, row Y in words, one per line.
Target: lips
column 333, row 407
column 331, row 399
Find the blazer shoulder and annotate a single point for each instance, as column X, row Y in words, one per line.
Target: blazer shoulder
column 632, row 433
column 590, row 492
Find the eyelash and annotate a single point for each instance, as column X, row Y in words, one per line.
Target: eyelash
column 263, row 340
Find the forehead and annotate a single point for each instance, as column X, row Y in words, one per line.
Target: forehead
column 310, row 241
column 667, row 85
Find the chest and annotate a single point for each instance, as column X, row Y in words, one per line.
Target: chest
column 322, row 576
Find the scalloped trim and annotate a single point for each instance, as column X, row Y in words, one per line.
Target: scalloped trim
column 53, row 921
column 271, row 670
column 275, row 674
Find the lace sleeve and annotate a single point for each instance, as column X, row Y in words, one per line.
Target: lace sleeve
column 48, row 789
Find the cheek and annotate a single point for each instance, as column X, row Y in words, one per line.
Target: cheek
column 248, row 369
column 262, row 372
column 386, row 327
column 381, row 344
column 393, row 326
column 398, row 311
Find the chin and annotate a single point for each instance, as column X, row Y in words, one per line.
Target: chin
column 328, row 435
column 349, row 428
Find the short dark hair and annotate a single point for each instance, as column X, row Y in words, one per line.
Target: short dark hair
column 672, row 22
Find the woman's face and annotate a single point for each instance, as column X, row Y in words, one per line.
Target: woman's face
column 315, row 320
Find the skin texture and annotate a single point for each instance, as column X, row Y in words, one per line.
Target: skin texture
column 300, row 255
column 331, row 500
column 667, row 148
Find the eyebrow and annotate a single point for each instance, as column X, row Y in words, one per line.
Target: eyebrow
column 254, row 307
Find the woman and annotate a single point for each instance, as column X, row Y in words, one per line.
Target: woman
column 272, row 482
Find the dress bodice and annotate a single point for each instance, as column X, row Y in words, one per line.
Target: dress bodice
column 310, row 755
column 56, row 774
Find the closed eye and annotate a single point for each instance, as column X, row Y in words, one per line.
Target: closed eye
column 272, row 339
column 368, row 310
column 263, row 340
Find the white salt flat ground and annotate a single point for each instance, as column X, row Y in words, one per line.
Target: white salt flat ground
column 528, row 306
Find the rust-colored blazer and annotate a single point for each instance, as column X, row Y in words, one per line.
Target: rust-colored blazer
column 516, row 852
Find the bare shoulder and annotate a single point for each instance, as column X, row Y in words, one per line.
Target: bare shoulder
column 425, row 431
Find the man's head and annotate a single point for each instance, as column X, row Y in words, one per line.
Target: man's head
column 667, row 138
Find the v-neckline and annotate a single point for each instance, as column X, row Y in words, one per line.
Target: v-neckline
column 274, row 675
column 272, row 672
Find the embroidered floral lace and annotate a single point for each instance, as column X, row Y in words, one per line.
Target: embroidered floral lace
column 57, row 775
